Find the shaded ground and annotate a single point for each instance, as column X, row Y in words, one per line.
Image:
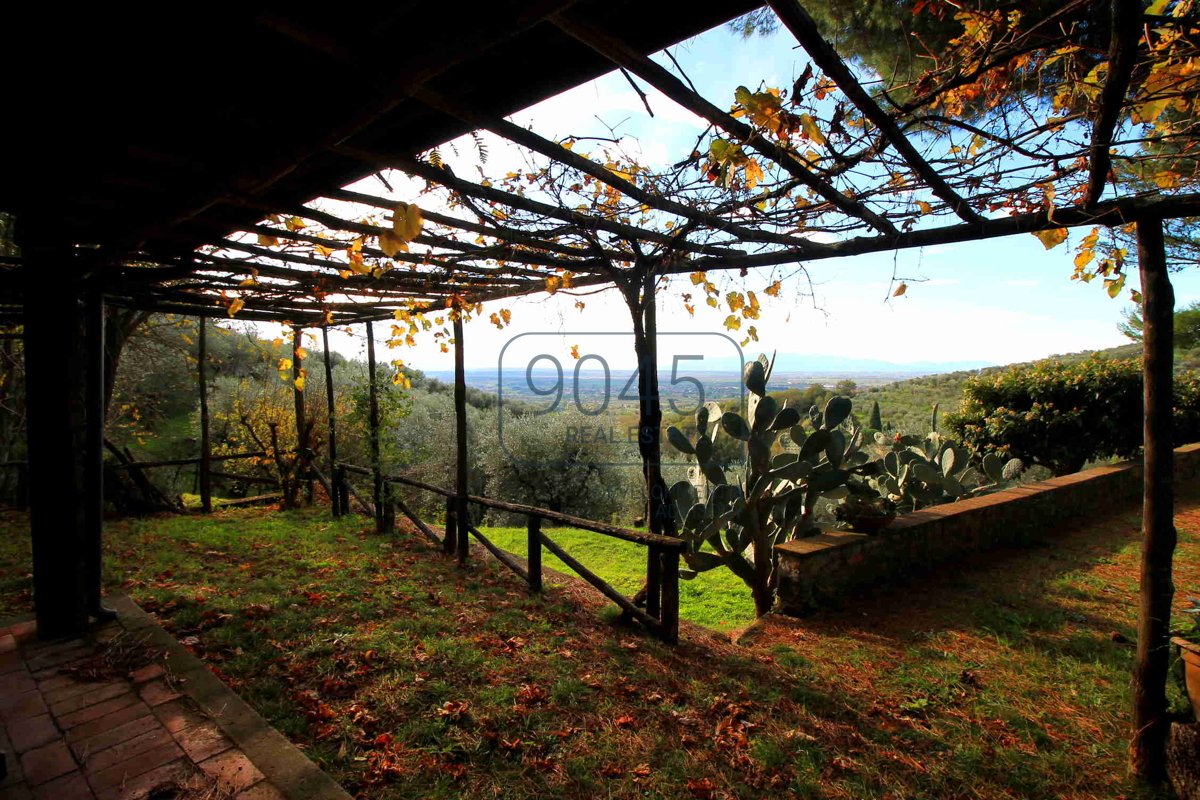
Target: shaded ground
column 404, row 676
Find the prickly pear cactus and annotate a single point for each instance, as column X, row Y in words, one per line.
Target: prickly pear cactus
column 920, row 472
column 773, row 498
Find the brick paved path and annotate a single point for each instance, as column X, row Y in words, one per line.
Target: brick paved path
column 124, row 738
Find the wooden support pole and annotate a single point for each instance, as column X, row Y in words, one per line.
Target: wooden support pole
column 93, row 453
column 640, row 299
column 301, row 415
column 450, row 527
column 335, row 499
column 460, row 436
column 1150, row 720
column 533, row 552
column 654, row 562
column 54, row 412
column 378, row 485
column 669, row 614
column 205, row 440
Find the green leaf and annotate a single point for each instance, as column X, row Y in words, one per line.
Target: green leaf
column 755, row 378
column 786, row 418
column 836, row 411
column 815, row 443
column 679, row 441
column 764, row 413
column 703, row 562
column 735, row 426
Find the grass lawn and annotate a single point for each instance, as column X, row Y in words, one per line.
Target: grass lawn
column 405, row 676
column 717, row 598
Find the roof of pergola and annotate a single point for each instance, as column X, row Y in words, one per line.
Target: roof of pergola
column 207, row 165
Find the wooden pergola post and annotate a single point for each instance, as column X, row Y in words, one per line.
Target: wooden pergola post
column 382, row 517
column 205, row 438
column 54, row 415
column 303, row 473
column 461, row 488
column 93, row 453
column 335, row 499
column 639, row 296
column 1150, row 720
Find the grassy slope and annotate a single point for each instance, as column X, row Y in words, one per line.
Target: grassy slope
column 716, row 598
column 406, row 676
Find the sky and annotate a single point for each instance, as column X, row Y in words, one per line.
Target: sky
column 998, row 301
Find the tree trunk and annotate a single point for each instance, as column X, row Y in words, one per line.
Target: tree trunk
column 1150, row 720
column 640, row 299
column 461, row 478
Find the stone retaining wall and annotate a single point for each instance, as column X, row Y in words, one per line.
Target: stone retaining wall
column 818, row 570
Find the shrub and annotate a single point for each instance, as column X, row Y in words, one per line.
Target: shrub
column 1061, row 416
column 562, row 462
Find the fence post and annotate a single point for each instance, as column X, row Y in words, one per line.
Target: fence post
column 205, row 472
column 669, row 615
column 451, row 540
column 335, row 480
column 534, row 552
column 379, row 486
column 461, row 488
column 344, row 494
column 331, row 414
column 654, row 564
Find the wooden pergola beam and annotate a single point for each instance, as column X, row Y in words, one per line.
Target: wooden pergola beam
column 1113, row 212
column 1122, row 57
column 802, row 26
column 496, row 231
column 625, row 56
column 489, row 194
column 416, row 69
column 552, row 150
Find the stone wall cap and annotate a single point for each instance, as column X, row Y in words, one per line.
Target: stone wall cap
column 826, row 540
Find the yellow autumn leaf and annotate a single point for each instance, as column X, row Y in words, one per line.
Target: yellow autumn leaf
column 236, row 305
column 733, row 322
column 391, row 244
column 295, row 224
column 900, row 290
column 1052, row 238
column 266, row 240
column 322, row 250
column 407, row 221
column 754, row 174
column 575, row 352
column 773, row 289
column 925, row 207
column 811, row 130
column 553, row 284
column 299, row 383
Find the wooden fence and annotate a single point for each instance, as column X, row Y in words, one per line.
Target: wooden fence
column 661, row 612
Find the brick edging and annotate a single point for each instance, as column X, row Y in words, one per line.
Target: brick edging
column 280, row 761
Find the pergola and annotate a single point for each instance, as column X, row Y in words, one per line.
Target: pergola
column 213, row 183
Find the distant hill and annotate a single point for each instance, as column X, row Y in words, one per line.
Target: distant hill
column 840, row 365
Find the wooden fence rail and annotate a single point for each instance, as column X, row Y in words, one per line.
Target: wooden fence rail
column 183, row 462
column 661, row 614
